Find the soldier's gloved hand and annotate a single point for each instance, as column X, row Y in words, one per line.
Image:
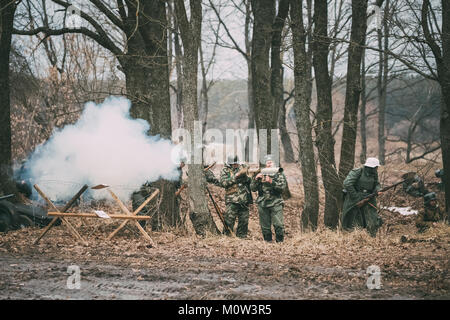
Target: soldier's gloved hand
column 259, row 176
column 241, row 173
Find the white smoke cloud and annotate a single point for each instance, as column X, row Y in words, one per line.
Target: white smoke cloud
column 105, row 146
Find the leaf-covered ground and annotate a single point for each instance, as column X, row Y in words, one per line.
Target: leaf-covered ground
column 310, row 265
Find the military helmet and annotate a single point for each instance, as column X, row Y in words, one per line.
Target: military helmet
column 372, row 163
column 439, row 173
column 429, row 197
column 268, row 157
column 232, row 160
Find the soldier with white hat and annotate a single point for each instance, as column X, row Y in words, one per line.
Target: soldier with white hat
column 358, row 184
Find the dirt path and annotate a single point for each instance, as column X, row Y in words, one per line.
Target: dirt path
column 177, row 275
column 36, row 278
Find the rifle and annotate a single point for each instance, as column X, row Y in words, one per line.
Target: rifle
column 219, row 211
column 366, row 199
column 210, row 166
column 7, row 196
column 184, row 185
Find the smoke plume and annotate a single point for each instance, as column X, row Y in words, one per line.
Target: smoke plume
column 106, row 146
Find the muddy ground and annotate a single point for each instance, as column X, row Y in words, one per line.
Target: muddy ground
column 308, row 265
column 323, row 265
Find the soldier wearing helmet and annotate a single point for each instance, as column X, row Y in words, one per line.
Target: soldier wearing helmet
column 440, row 174
column 270, row 200
column 431, row 213
column 358, row 184
column 236, row 182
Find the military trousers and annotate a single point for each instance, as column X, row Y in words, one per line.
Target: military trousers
column 365, row 217
column 269, row 216
column 240, row 212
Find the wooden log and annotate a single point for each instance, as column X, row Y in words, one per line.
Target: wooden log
column 75, row 198
column 154, row 194
column 128, row 213
column 93, row 215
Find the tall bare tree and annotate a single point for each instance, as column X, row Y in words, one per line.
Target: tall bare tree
column 7, row 10
column 442, row 58
column 324, row 138
column 303, row 90
column 277, row 76
column 353, row 86
column 265, row 113
column 382, row 81
column 190, row 32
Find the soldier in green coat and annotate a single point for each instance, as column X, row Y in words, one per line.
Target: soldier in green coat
column 430, row 214
column 270, row 201
column 235, row 180
column 358, row 184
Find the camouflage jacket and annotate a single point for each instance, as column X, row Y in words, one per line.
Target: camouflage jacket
column 270, row 194
column 427, row 216
column 237, row 190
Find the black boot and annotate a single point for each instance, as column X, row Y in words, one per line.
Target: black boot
column 267, row 237
column 279, row 237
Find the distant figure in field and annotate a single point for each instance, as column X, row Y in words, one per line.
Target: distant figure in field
column 431, row 213
column 358, row 184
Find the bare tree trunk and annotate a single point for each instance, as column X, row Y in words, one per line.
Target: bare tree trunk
column 285, row 137
column 353, row 88
column 324, row 137
column 276, row 77
column 303, row 84
column 190, row 32
column 382, row 84
column 263, row 12
column 248, row 52
column 444, row 75
column 203, row 92
column 147, row 79
column 7, row 10
column 442, row 58
column 178, row 69
column 363, row 130
column 251, row 110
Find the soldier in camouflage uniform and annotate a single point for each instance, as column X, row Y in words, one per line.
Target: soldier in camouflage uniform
column 358, row 184
column 270, row 201
column 414, row 185
column 237, row 196
column 430, row 214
